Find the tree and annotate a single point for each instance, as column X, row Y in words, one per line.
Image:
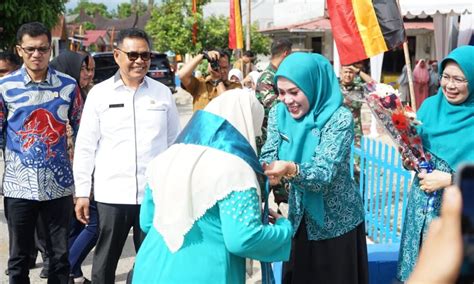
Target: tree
column 14, row 13
column 170, row 26
column 88, row 26
column 259, row 43
column 91, row 8
column 216, row 31
column 125, row 10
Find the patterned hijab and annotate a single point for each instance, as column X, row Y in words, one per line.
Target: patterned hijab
column 447, row 129
column 313, row 74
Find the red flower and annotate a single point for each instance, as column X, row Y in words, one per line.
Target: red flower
column 417, row 140
column 400, row 121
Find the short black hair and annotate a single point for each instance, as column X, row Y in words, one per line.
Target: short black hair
column 222, row 52
column 249, row 53
column 33, row 29
column 10, row 57
column 133, row 33
column 279, row 46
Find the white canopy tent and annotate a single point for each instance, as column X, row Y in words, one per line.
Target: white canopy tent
column 449, row 31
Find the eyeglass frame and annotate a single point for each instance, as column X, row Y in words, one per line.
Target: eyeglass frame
column 139, row 54
column 457, row 81
column 41, row 50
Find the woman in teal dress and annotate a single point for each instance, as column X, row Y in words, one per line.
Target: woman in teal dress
column 202, row 208
column 309, row 142
column 447, row 132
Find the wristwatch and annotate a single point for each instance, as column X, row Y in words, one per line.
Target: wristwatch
column 216, row 82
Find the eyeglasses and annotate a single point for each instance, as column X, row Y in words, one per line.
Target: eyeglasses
column 133, row 55
column 30, row 49
column 457, row 81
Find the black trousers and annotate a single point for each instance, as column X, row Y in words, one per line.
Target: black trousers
column 42, row 244
column 115, row 222
column 22, row 220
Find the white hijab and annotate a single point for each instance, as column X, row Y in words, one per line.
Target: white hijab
column 187, row 180
column 235, row 72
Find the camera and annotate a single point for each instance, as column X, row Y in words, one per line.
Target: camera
column 465, row 181
column 214, row 63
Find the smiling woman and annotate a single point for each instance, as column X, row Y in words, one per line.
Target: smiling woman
column 308, row 149
column 446, row 132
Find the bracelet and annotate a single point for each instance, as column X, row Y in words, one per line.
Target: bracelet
column 297, row 171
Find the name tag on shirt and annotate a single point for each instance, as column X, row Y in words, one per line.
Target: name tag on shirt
column 116, row 105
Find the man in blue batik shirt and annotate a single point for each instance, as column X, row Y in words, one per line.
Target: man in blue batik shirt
column 36, row 102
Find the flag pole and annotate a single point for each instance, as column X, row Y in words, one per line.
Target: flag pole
column 406, row 52
column 410, row 77
column 249, row 22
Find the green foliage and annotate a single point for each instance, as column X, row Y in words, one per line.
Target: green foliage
column 170, row 27
column 88, row 26
column 215, row 32
column 91, row 8
column 125, row 10
column 14, row 13
column 259, row 43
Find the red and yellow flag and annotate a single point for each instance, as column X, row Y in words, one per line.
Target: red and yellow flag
column 364, row 28
column 236, row 39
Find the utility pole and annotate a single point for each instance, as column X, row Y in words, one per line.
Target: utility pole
column 249, row 22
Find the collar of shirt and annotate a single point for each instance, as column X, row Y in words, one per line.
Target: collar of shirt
column 118, row 82
column 27, row 79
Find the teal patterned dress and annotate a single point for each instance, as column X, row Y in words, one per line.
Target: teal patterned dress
column 417, row 220
column 328, row 173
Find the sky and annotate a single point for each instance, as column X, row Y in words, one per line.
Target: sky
column 111, row 4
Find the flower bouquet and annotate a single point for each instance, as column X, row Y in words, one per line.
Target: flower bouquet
column 399, row 121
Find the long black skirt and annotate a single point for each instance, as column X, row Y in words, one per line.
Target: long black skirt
column 340, row 260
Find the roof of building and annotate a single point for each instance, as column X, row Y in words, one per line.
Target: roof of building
column 102, row 23
column 323, row 24
column 94, row 36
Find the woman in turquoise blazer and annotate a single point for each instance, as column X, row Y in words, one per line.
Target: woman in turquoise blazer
column 309, row 142
column 447, row 133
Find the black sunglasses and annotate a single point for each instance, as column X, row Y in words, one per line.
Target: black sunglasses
column 30, row 49
column 133, row 55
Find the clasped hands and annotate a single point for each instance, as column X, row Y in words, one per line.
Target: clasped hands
column 276, row 170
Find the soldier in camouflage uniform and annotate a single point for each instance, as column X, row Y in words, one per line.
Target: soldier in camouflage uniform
column 352, row 81
column 265, row 89
column 265, row 93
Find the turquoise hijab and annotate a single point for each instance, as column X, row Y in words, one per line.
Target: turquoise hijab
column 314, row 75
column 448, row 130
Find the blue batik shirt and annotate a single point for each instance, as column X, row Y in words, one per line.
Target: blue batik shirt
column 33, row 119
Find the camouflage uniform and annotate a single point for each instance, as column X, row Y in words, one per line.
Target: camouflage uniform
column 352, row 100
column 353, row 95
column 265, row 93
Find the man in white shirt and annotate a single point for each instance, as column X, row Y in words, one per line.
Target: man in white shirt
column 127, row 121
